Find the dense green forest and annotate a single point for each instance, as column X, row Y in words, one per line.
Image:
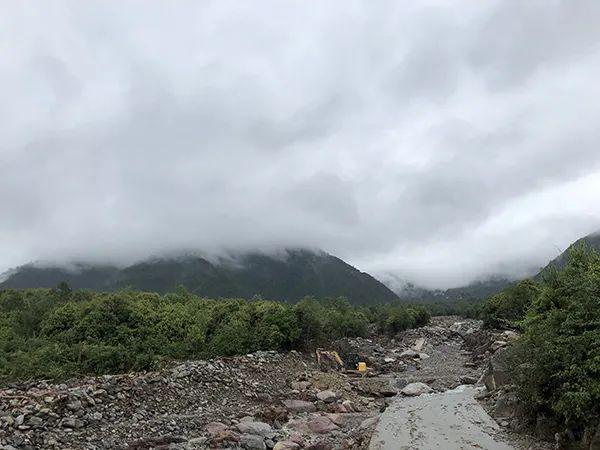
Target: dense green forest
column 57, row 333
column 556, row 363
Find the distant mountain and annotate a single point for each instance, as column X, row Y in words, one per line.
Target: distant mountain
column 591, row 241
column 478, row 290
column 289, row 277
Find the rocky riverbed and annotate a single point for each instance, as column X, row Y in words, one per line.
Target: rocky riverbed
column 259, row 401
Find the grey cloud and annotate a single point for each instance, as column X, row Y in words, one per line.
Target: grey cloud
column 395, row 136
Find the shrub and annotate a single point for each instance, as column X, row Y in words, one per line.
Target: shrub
column 57, row 333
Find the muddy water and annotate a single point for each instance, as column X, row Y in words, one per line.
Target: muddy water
column 451, row 420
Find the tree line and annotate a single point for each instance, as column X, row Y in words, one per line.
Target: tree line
column 57, row 333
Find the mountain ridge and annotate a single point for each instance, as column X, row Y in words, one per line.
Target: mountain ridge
column 289, row 277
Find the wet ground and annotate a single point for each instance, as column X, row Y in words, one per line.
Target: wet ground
column 451, row 420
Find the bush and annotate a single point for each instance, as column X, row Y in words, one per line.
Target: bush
column 507, row 308
column 56, row 333
column 557, row 362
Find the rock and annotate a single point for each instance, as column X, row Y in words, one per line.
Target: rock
column 299, row 406
column 414, row 389
column 35, row 421
column 368, row 423
column 410, row 353
column 338, row 419
column 259, row 428
column 349, row 406
column 496, row 374
column 252, row 442
column 327, row 396
column 297, row 438
column 468, row 380
column 215, row 428
column 300, row 385
column 198, row 442
column 509, row 335
column 286, row 445
column 71, row 422
column 321, row 425
column 419, row 344
column 506, row 405
column 74, row 405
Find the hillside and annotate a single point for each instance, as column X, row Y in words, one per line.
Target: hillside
column 300, row 273
column 590, row 241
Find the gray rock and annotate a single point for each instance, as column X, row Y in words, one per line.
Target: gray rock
column 410, row 353
column 71, row 422
column 496, row 374
column 419, row 344
column 369, row 423
column 468, row 380
column 327, row 396
column 257, row 428
column 35, row 421
column 299, row 406
column 252, row 442
column 506, row 405
column 74, row 405
column 215, row 428
column 414, row 389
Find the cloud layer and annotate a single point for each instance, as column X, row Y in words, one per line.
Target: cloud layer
column 440, row 142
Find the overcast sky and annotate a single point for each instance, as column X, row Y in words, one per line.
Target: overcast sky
column 438, row 141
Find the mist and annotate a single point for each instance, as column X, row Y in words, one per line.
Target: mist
column 433, row 142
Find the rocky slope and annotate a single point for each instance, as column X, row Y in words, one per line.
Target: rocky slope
column 290, row 275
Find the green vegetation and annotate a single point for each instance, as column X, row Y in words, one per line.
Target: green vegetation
column 556, row 362
column 507, row 308
column 56, row 333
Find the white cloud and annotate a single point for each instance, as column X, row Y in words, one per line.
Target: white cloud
column 427, row 140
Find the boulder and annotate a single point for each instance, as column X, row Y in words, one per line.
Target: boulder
column 299, row 406
column 327, row 396
column 506, row 405
column 321, row 425
column 468, row 380
column 215, row 428
column 419, row 344
column 257, row 428
column 252, row 442
column 410, row 353
column 414, row 389
column 496, row 374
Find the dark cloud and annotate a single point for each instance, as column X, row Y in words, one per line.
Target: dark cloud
column 438, row 142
